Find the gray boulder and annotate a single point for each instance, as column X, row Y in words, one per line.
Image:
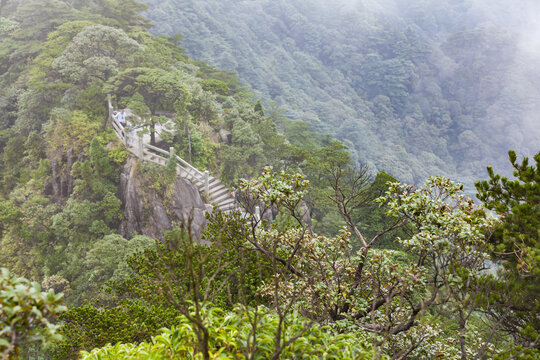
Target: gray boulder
column 149, row 213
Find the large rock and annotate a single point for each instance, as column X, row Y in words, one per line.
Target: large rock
column 60, row 184
column 226, row 136
column 188, row 207
column 146, row 212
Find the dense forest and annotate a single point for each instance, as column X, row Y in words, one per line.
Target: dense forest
column 326, row 255
column 416, row 88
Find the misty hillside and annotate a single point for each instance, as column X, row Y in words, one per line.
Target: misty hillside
column 412, row 87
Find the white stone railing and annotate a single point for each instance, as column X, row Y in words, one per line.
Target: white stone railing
column 213, row 190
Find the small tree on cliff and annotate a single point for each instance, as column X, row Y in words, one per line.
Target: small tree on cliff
column 160, row 90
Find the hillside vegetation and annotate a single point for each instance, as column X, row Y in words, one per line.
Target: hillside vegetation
column 104, row 256
column 412, row 87
column 61, row 164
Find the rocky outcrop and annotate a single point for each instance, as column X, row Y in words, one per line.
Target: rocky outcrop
column 226, row 136
column 150, row 213
column 188, row 207
column 60, row 184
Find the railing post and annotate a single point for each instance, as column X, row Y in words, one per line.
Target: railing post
column 206, row 183
column 171, row 153
column 110, row 107
column 141, row 149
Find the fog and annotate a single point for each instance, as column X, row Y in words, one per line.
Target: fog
column 522, row 19
column 519, row 18
column 318, row 58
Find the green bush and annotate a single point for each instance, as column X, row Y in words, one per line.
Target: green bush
column 235, row 334
column 26, row 314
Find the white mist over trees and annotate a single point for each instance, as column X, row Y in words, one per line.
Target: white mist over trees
column 413, row 87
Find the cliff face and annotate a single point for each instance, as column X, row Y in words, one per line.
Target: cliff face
column 151, row 213
column 60, row 184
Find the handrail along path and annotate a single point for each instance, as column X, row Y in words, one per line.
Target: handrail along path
column 214, row 191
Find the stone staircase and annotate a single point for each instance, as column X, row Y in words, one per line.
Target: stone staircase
column 211, row 189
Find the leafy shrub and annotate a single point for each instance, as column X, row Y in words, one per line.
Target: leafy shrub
column 235, row 334
column 26, row 313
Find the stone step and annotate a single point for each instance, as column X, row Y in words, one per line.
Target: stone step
column 222, row 198
column 217, row 186
column 219, row 193
column 227, row 205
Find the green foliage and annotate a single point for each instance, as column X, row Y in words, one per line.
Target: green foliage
column 9, row 214
column 91, row 326
column 215, row 86
column 77, row 221
column 70, row 130
column 12, row 160
column 156, row 178
column 107, row 259
column 276, row 188
column 7, row 25
column 388, row 99
column 241, row 334
column 518, row 203
column 147, row 90
column 8, row 107
column 517, row 239
column 96, row 52
column 26, row 314
column 90, row 101
column 318, row 163
column 159, row 89
column 444, row 264
column 117, row 153
column 373, row 219
column 224, row 260
column 143, row 283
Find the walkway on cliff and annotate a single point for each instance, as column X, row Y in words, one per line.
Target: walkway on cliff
column 211, row 189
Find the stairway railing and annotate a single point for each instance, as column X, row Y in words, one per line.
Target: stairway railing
column 211, row 187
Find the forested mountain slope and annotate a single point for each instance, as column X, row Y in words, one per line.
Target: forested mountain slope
column 68, row 189
column 414, row 87
column 320, row 259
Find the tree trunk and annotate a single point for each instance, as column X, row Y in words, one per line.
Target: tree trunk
column 109, row 113
column 105, row 122
column 205, row 349
column 277, row 338
column 462, row 328
column 152, row 132
column 203, row 337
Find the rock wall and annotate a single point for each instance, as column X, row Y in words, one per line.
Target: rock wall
column 60, row 184
column 150, row 213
